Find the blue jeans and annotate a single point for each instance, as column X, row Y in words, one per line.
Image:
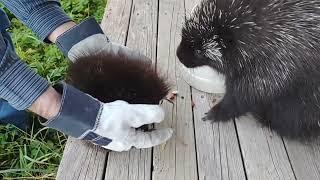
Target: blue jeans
column 8, row 114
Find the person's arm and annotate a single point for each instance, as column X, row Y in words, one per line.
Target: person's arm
column 41, row 16
column 64, row 107
column 75, row 113
column 19, row 85
column 47, row 105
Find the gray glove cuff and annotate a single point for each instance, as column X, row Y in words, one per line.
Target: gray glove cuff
column 78, row 33
column 78, row 116
column 78, row 112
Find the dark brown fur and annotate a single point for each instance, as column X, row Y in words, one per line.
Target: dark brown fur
column 115, row 78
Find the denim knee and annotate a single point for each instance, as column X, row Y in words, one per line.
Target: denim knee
column 9, row 115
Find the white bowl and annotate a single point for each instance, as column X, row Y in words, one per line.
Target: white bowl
column 203, row 78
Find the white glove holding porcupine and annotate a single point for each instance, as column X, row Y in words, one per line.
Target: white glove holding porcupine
column 120, row 121
column 110, row 125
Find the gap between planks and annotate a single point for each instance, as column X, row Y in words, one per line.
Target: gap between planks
column 142, row 36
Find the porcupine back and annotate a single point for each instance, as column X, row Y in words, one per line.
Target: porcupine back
column 249, row 32
column 269, row 51
column 115, row 78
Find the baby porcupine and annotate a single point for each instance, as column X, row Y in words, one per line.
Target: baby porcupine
column 116, row 78
column 269, row 53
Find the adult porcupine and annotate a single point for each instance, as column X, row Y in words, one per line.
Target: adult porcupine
column 269, row 53
column 116, row 78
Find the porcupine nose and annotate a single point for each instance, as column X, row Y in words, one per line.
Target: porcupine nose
column 202, row 78
column 185, row 56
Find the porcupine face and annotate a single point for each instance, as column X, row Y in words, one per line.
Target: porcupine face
column 204, row 37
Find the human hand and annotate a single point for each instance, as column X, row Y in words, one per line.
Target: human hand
column 110, row 125
column 119, row 121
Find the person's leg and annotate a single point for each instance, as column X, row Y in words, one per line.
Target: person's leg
column 9, row 115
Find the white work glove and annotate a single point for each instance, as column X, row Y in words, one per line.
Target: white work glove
column 110, row 125
column 119, row 121
column 99, row 43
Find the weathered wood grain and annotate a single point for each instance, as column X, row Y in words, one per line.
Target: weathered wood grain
column 81, row 160
column 116, row 19
column 176, row 159
column 305, row 159
column 133, row 165
column 218, row 152
column 263, row 151
column 142, row 36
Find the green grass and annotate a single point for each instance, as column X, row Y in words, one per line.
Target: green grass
column 36, row 154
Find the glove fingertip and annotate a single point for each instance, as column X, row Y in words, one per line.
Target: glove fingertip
column 162, row 135
column 169, row 133
column 160, row 115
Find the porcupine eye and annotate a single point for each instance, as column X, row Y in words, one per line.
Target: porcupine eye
column 198, row 52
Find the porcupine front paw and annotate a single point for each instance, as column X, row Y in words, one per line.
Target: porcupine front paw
column 219, row 113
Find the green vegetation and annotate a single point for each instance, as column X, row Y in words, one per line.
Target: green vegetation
column 36, row 154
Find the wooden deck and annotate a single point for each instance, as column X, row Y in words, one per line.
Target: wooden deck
column 239, row 149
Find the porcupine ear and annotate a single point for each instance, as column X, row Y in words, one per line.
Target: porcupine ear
column 116, row 78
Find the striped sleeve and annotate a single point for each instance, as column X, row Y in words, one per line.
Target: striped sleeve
column 19, row 84
column 41, row 16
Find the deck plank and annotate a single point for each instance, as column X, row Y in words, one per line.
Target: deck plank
column 82, row 160
column 116, row 20
column 305, row 159
column 177, row 158
column 142, row 34
column 218, row 152
column 263, row 151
